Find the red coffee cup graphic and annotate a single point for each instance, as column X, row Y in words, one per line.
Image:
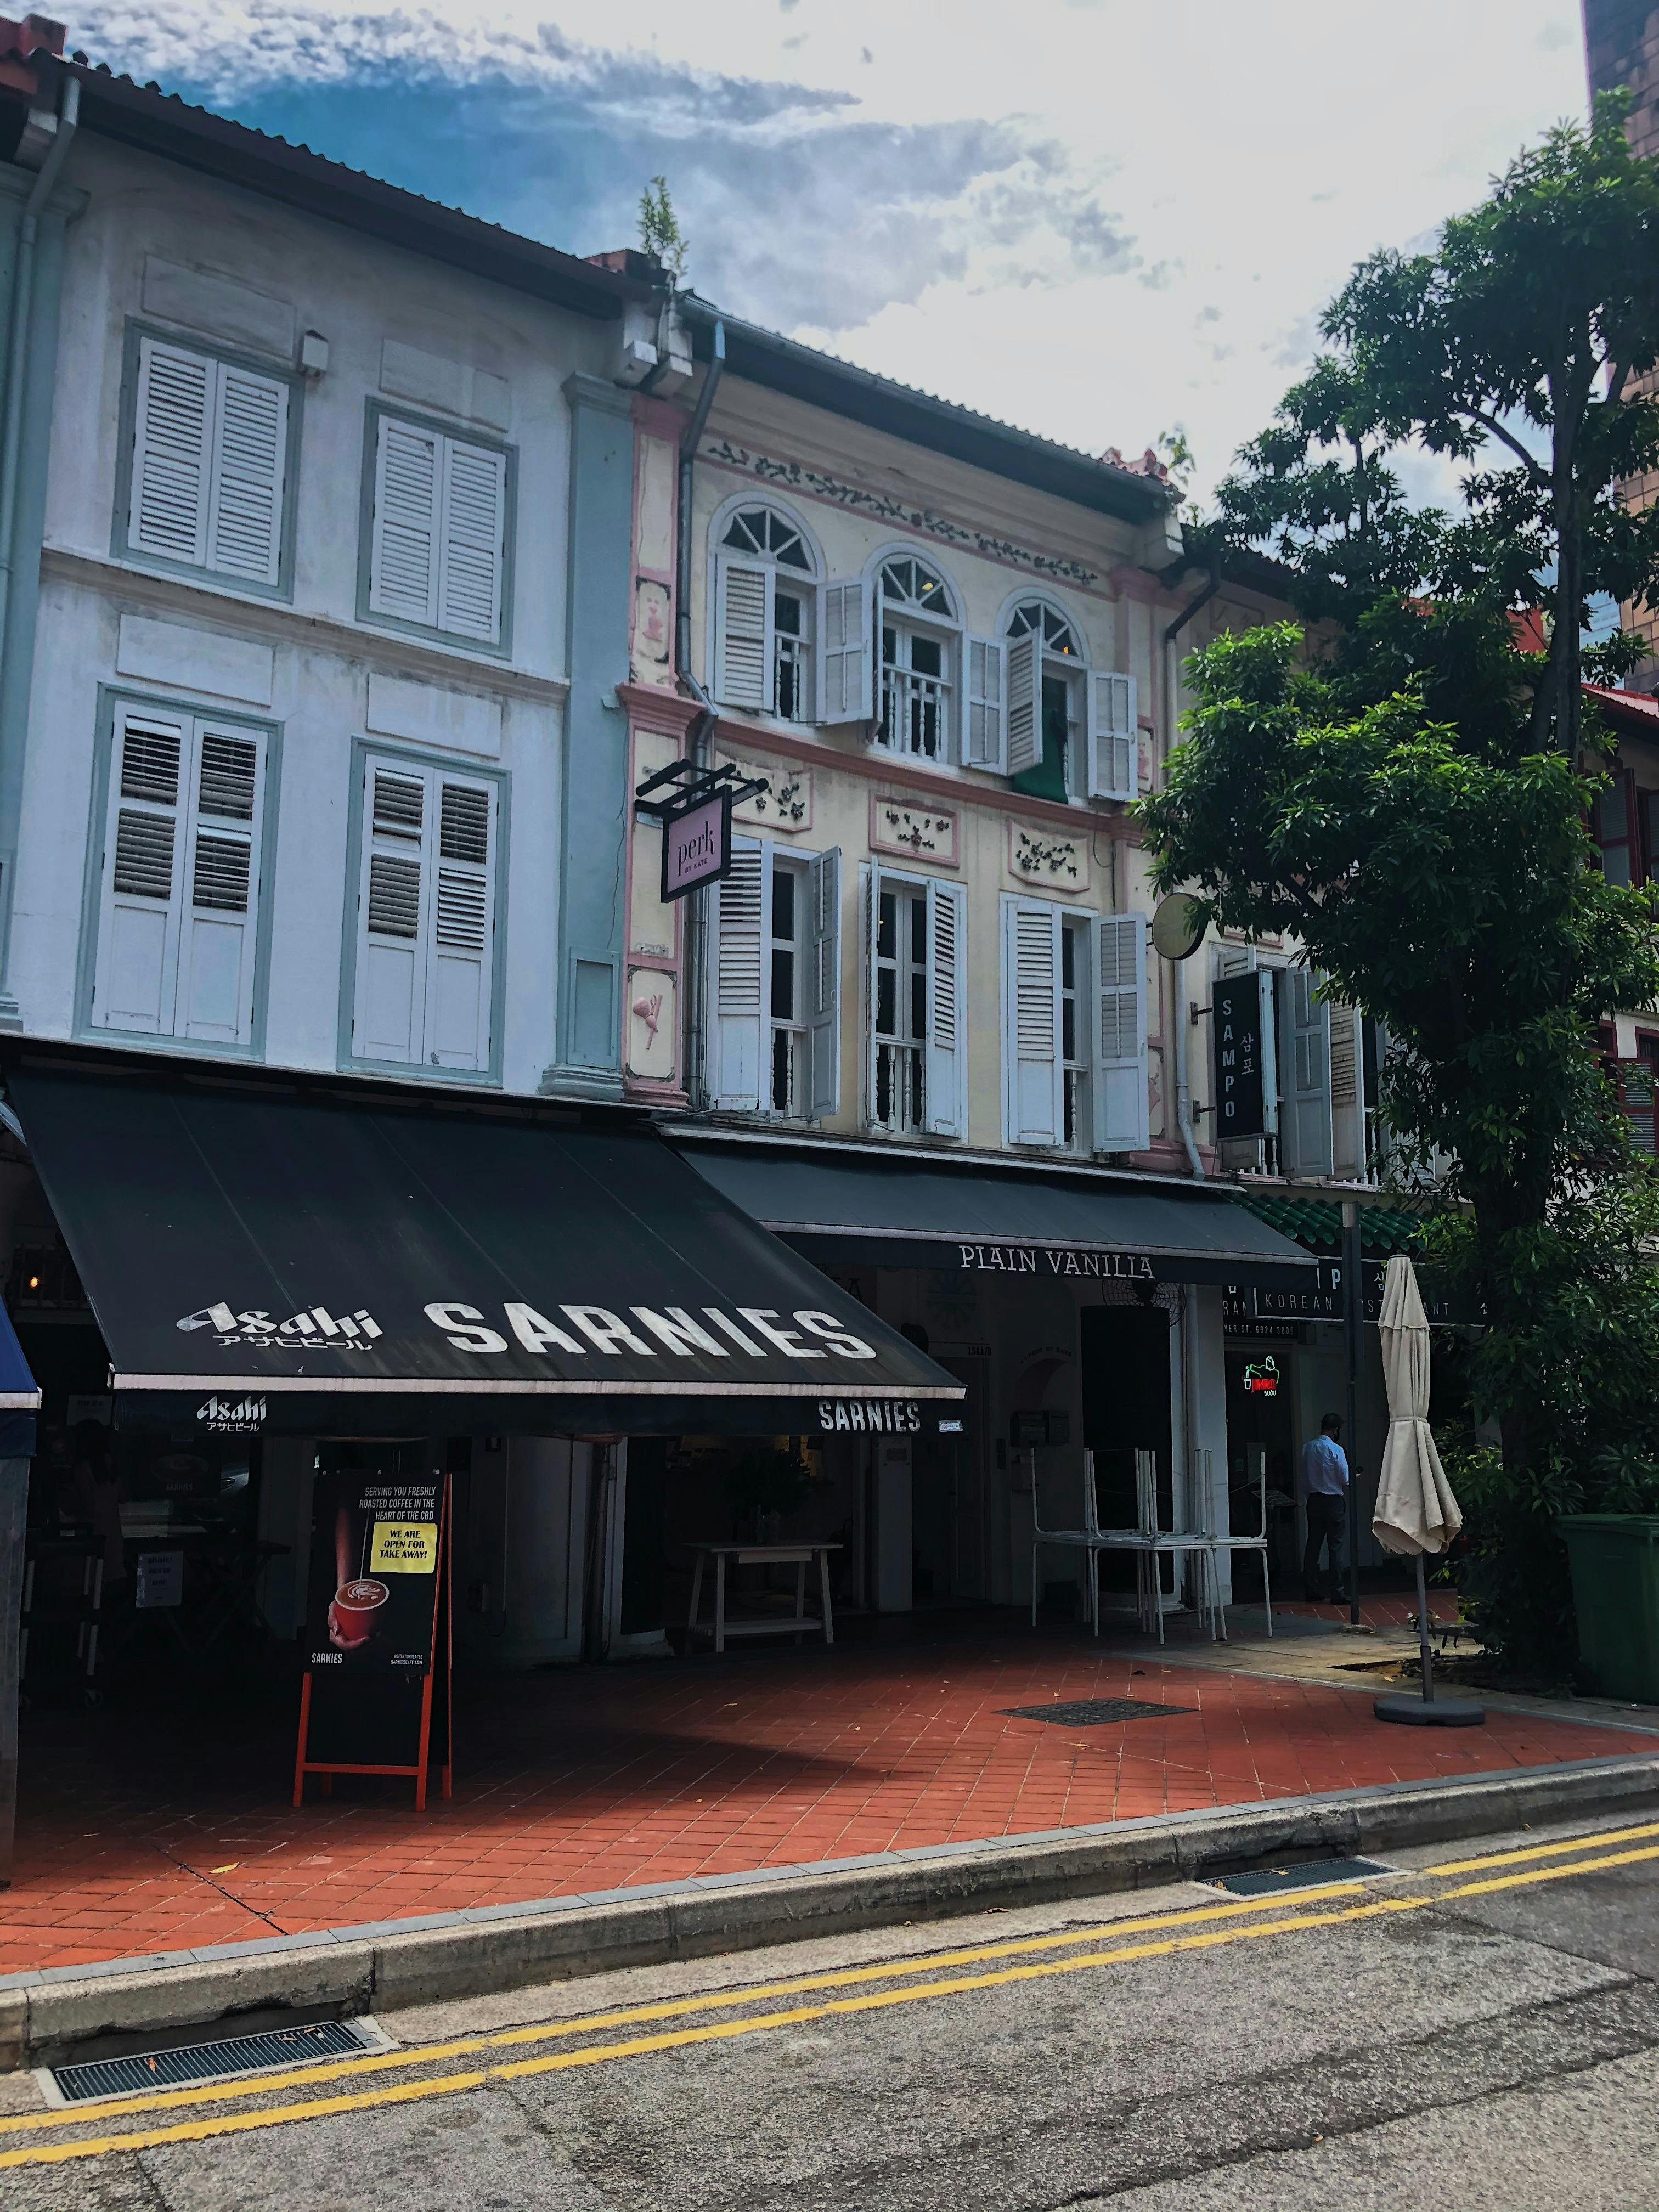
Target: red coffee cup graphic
column 355, row 1612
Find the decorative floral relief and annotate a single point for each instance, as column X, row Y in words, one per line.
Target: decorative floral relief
column 898, row 827
column 786, row 804
column 884, row 509
column 1038, row 856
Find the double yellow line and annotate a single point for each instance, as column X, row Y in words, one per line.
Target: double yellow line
column 1212, row 1926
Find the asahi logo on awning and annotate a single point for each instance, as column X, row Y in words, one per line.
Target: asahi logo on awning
column 232, row 1416
column 313, row 1329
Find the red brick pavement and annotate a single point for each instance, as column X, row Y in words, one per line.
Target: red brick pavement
column 134, row 1838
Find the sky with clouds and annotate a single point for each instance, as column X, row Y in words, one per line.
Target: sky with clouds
column 1094, row 218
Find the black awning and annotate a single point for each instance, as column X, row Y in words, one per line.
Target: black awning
column 919, row 1211
column 310, row 1261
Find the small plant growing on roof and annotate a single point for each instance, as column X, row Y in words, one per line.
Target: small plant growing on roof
column 661, row 236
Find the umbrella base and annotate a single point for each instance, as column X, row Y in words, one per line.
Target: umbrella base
column 1429, row 1712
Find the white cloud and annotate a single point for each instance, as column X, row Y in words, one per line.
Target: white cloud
column 1091, row 219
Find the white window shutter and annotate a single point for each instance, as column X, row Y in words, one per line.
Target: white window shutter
column 221, row 885
column 171, row 453
column 823, row 986
column 1033, row 1107
column 869, row 907
column 1305, row 1146
column 1114, row 737
column 134, row 982
column 404, row 546
column 742, row 977
column 1347, row 1094
column 250, row 466
column 947, row 1089
column 847, row 655
column 389, row 1016
column 1024, row 720
column 460, row 955
column 987, row 706
column 743, row 634
column 1120, row 1083
column 471, row 558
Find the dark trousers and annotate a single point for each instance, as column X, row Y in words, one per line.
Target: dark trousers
column 1327, row 1522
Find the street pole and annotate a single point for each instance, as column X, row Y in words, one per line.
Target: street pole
column 1351, row 1324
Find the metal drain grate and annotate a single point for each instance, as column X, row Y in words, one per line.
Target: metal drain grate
column 1093, row 1712
column 1317, row 1874
column 209, row 2062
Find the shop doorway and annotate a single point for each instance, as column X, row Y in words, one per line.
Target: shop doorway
column 1261, row 1411
column 1126, row 1409
column 949, row 1497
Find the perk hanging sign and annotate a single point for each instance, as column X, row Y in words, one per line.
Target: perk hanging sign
column 696, row 846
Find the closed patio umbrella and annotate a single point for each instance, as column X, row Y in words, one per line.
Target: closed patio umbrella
column 1416, row 1513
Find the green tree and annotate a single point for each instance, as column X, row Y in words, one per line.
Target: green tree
column 1404, row 785
column 659, row 229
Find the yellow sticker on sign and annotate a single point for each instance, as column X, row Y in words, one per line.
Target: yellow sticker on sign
column 403, row 1548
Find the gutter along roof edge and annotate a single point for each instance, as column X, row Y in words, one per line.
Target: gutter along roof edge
column 944, row 426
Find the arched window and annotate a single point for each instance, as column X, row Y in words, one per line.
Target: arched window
column 765, row 601
column 917, row 658
column 1047, row 670
column 1036, row 618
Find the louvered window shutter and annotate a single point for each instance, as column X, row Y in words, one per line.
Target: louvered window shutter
column 404, row 546
column 1305, row 1076
column 946, row 1103
column 172, row 454
column 743, row 634
column 389, row 1017
column 987, row 720
column 1024, row 658
column 135, row 983
column 471, row 556
column 742, row 905
column 1114, row 737
column 460, row 957
column 1347, row 1095
column 823, row 1026
column 844, row 664
column 1119, row 1085
column 869, row 898
column 1031, row 1073
column 222, row 887
column 250, row 463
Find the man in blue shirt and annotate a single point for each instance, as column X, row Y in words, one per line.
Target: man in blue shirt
column 1325, row 1490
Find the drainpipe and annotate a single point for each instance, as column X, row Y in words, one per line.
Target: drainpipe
column 23, row 325
column 1184, row 1088
column 696, row 920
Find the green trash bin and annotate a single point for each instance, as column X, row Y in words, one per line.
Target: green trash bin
column 1615, row 1593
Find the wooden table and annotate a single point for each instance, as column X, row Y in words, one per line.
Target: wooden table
column 799, row 1556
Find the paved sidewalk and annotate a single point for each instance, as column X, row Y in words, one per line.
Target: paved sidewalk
column 134, row 1838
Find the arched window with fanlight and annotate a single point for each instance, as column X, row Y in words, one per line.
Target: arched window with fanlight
column 765, row 614
column 1064, row 730
column 919, row 633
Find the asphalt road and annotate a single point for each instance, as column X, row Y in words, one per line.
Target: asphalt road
column 1481, row 2035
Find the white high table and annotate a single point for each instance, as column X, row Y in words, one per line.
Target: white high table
column 799, row 1556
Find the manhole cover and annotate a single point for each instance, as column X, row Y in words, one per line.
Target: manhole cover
column 1094, row 1712
column 1317, row 1874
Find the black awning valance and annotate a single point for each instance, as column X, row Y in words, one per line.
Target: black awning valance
column 241, row 1245
column 920, row 1212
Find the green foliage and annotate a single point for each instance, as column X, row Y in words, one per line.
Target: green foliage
column 1406, row 789
column 659, row 229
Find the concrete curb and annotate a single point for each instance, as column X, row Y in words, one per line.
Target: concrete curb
column 402, row 1962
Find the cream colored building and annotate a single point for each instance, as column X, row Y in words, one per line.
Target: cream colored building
column 921, row 1029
